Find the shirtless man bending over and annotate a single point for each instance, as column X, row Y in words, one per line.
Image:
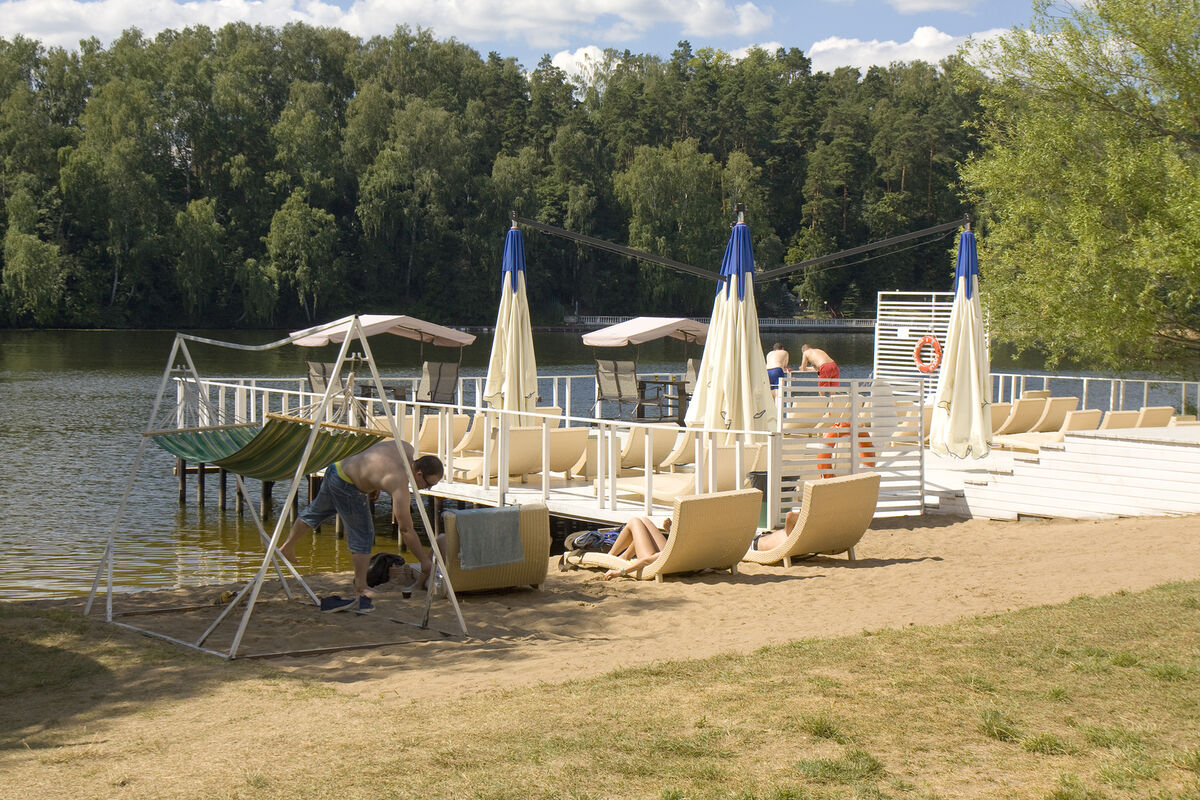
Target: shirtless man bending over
column 777, row 366
column 815, row 360
column 346, row 489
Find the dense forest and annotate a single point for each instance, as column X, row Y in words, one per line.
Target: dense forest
column 260, row 176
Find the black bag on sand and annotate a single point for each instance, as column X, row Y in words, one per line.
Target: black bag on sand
column 379, row 570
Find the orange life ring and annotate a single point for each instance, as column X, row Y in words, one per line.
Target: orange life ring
column 937, row 354
column 866, row 452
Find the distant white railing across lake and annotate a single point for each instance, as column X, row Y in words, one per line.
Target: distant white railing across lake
column 765, row 323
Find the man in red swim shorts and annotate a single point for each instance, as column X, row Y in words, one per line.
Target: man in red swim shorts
column 816, row 360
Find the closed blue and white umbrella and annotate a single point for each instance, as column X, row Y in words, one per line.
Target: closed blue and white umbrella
column 732, row 390
column 961, row 422
column 511, row 382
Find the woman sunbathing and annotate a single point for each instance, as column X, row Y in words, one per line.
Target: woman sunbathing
column 772, row 539
column 639, row 543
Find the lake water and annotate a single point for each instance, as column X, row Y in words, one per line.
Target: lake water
column 73, row 405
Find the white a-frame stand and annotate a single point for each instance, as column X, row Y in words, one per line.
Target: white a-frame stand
column 248, row 595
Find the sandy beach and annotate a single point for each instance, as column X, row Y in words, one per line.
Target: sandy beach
column 909, row 571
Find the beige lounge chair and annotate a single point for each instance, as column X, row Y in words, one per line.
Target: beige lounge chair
column 1033, row 394
column 471, row 443
column 662, row 443
column 1119, row 419
column 667, row 487
column 683, row 453
column 1054, row 413
column 1000, row 412
column 549, row 411
column 524, row 457
column 1025, row 412
column 834, row 515
column 1154, row 416
column 708, row 531
column 1088, row 420
column 567, row 447
column 427, row 438
column 531, row 570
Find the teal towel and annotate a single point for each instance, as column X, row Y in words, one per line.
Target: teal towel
column 488, row 537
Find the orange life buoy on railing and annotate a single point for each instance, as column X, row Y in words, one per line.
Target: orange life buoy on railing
column 866, row 452
column 937, row 354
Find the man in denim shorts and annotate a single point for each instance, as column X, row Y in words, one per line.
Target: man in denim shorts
column 346, row 490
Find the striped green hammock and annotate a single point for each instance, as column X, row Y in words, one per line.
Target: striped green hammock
column 269, row 452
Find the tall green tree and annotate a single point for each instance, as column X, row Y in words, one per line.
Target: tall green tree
column 33, row 270
column 1089, row 183
column 302, row 251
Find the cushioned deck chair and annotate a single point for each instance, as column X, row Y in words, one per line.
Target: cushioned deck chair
column 1025, row 412
column 1154, row 416
column 834, row 514
column 1031, row 442
column 439, row 382
column 708, row 531
column 529, row 571
column 1033, row 394
column 1054, row 413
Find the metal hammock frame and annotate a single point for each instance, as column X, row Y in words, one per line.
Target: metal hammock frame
column 284, row 446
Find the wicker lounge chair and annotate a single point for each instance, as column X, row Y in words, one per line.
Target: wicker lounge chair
column 708, row 531
column 530, row 571
column 834, row 515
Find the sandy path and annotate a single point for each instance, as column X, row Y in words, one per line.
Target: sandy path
column 909, row 572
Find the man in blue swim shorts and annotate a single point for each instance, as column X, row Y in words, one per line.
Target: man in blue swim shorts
column 777, row 366
column 346, row 489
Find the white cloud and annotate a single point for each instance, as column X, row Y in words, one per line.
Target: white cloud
column 927, row 44
column 921, row 6
column 579, row 64
column 539, row 23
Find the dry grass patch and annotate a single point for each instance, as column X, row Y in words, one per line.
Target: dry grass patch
column 1096, row 698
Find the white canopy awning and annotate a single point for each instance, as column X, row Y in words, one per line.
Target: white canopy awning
column 396, row 324
column 646, row 329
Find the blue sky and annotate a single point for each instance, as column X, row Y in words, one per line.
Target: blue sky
column 832, row 32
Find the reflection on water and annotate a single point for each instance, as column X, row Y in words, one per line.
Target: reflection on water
column 75, row 402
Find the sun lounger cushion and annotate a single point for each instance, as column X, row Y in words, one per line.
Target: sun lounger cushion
column 488, row 537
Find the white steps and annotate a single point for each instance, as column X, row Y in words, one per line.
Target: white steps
column 1095, row 475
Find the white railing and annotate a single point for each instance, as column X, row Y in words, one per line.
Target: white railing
column 763, row 322
column 1107, row 393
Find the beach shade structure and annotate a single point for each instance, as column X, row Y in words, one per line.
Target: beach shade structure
column 372, row 324
column 646, row 329
column 511, row 383
column 961, row 421
column 732, row 391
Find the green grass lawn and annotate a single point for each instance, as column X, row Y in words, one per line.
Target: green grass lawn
column 1097, row 698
